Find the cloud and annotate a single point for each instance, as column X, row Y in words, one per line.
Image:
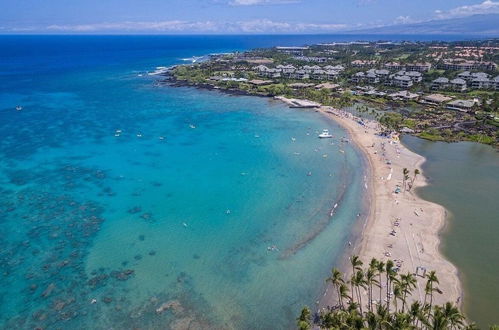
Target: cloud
column 486, row 7
column 161, row 26
column 261, row 2
column 268, row 26
column 180, row 26
column 406, row 20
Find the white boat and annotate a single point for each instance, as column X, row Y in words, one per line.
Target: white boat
column 19, row 108
column 325, row 134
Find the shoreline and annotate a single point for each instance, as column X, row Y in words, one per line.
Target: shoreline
column 417, row 239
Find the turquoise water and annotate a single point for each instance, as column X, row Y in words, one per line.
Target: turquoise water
column 217, row 205
column 464, row 179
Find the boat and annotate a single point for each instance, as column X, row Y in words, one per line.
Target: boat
column 325, row 134
column 19, row 108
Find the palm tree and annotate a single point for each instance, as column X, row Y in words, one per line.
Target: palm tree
column 416, row 313
column 336, row 279
column 432, row 279
column 405, row 173
column 358, row 281
column 419, row 315
column 343, row 292
column 304, row 319
column 381, row 269
column 408, row 282
column 370, row 280
column 416, row 173
column 389, row 274
column 397, row 293
column 356, row 264
column 438, row 320
column 453, row 315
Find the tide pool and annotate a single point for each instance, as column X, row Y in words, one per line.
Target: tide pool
column 127, row 204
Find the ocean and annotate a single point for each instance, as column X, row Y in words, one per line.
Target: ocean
column 125, row 204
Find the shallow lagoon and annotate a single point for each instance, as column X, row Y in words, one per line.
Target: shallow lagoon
column 464, row 179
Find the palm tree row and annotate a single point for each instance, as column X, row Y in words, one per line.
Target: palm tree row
column 390, row 311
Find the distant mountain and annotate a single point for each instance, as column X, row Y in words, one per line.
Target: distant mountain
column 486, row 25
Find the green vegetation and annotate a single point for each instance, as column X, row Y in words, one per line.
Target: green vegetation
column 391, row 301
column 238, row 73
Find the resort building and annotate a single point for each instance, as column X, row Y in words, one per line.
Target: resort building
column 299, row 74
column 414, row 75
column 481, row 83
column 311, row 59
column 462, row 105
column 286, row 69
column 338, row 68
column 403, row 95
column 469, row 76
column 371, row 78
column 403, row 81
column 358, row 77
column 440, row 84
column 363, row 63
column 292, row 50
column 458, row 85
column 435, row 99
column 327, row 86
column 460, row 64
column 419, row 67
column 394, row 66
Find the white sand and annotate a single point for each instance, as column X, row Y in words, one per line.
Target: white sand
column 416, row 240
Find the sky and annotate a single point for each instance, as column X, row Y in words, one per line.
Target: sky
column 225, row 16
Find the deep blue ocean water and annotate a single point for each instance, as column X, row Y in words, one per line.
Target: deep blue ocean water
column 126, row 204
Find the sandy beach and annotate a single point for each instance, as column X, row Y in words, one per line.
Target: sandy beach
column 401, row 226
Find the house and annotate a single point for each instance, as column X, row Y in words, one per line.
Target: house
column 462, row 105
column 440, row 83
column 435, row 99
column 496, row 83
column 458, row 85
